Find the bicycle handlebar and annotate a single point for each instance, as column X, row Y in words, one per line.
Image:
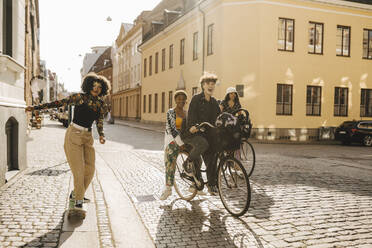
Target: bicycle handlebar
column 241, row 109
column 201, row 128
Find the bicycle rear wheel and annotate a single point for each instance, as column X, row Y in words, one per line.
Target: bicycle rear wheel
column 247, row 156
column 233, row 186
column 183, row 183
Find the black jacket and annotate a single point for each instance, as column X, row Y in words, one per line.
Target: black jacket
column 201, row 110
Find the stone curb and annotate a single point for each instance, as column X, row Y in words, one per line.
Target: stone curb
column 14, row 179
column 103, row 220
column 139, row 127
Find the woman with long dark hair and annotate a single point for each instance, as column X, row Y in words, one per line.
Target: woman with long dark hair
column 78, row 146
column 231, row 102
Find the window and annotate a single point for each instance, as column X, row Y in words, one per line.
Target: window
column 32, row 32
column 126, row 106
column 367, row 44
column 156, row 103
column 156, row 62
column 366, row 103
column 286, row 35
column 163, row 102
column 171, row 56
column 144, row 104
column 195, row 46
column 150, row 103
column 163, row 59
column 170, row 98
column 284, row 99
column 341, row 101
column 365, row 125
column 210, row 40
column 343, row 41
column 8, row 27
column 182, row 51
column 145, row 68
column 150, row 66
column 240, row 90
column 194, row 91
column 313, row 100
column 138, row 71
column 315, row 38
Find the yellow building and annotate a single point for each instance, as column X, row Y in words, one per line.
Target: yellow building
column 300, row 66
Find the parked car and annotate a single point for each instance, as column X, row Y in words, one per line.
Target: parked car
column 62, row 116
column 355, row 131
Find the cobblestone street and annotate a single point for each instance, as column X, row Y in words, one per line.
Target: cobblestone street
column 302, row 196
column 32, row 205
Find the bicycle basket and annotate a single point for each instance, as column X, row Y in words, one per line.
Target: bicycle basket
column 228, row 134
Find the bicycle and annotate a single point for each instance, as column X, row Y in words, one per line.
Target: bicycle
column 232, row 179
column 246, row 153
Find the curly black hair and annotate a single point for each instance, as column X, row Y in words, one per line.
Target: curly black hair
column 89, row 80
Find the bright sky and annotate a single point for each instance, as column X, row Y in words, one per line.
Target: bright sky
column 70, row 28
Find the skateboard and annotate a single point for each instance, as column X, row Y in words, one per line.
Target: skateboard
column 73, row 213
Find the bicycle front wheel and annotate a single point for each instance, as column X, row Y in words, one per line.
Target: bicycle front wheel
column 233, row 186
column 247, row 156
column 183, row 184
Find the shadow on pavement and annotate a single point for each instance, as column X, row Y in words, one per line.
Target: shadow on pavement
column 49, row 171
column 53, row 237
column 260, row 202
column 243, row 238
column 191, row 226
column 314, row 179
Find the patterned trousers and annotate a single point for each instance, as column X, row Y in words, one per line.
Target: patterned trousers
column 170, row 159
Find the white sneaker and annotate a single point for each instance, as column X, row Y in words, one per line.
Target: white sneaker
column 192, row 189
column 166, row 193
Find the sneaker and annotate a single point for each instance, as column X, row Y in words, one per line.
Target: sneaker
column 192, row 189
column 72, row 197
column 166, row 193
column 78, row 210
column 79, row 205
column 212, row 190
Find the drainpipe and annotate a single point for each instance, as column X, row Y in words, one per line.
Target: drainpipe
column 139, row 50
column 203, row 59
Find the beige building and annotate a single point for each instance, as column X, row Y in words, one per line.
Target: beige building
column 300, row 66
column 127, row 72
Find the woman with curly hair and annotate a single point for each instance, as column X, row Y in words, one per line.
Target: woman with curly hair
column 78, row 146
